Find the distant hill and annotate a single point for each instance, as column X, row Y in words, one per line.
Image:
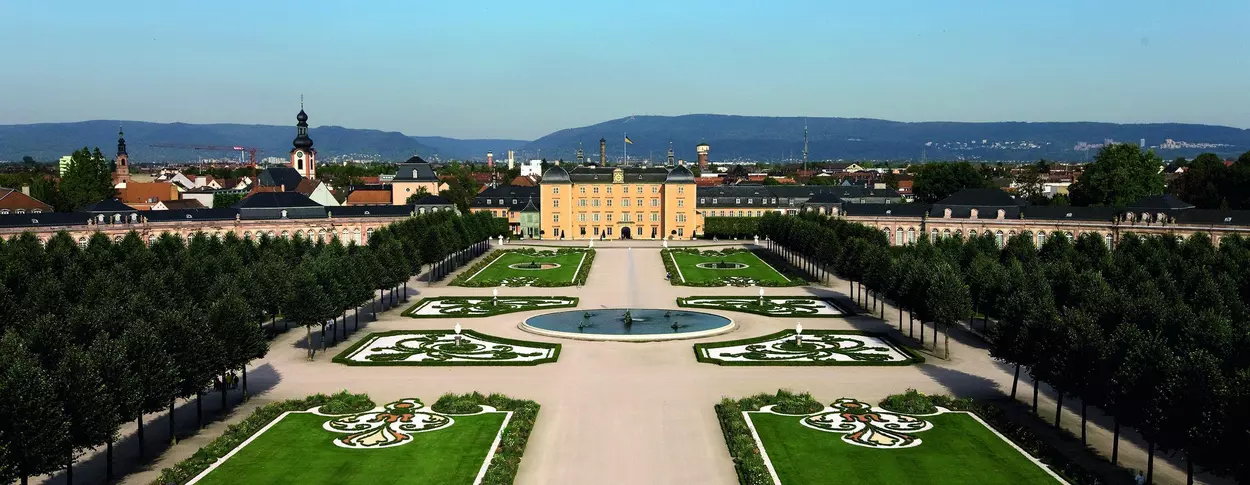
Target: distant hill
column 49, row 141
column 769, row 138
column 470, row 149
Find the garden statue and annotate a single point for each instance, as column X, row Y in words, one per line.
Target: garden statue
column 629, row 319
column 457, row 330
column 494, row 296
column 761, row 297
column 798, row 334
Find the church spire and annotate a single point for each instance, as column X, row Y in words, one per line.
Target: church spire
column 121, row 142
column 670, row 153
column 301, row 128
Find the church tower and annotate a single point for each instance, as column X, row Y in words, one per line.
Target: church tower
column 121, row 164
column 303, row 157
column 670, row 154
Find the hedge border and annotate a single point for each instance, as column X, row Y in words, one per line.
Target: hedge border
column 671, row 268
column 342, row 357
column 743, row 450
column 236, row 434
column 681, row 302
column 579, row 278
column 913, row 357
column 410, row 312
column 503, row 466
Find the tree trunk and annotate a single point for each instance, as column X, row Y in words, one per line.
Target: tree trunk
column 323, row 336
column 1189, row 469
column 1150, row 462
column 308, row 340
column 911, row 324
column 922, row 333
column 935, row 335
column 199, row 410
column 224, row 385
column 1034, row 396
column 1084, row 419
column 1115, row 440
column 244, row 382
column 900, row 318
column 1058, row 408
column 69, row 468
column 1014, row 381
column 946, row 343
column 142, row 448
column 108, row 460
column 173, row 435
column 356, row 323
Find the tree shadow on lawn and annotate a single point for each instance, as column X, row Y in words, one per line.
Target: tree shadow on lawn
column 92, row 467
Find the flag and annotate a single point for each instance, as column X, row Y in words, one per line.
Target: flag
column 627, row 140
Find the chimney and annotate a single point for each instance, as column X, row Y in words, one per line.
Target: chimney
column 603, row 152
column 26, row 190
column 490, row 160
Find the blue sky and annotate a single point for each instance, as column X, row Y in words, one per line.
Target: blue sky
column 523, row 69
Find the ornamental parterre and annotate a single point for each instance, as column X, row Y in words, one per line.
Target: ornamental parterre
column 439, row 347
column 816, row 347
column 459, row 307
column 773, row 306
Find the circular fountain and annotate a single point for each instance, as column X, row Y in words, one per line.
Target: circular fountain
column 628, row 324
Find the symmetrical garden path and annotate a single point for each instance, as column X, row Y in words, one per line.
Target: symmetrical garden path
column 627, row 413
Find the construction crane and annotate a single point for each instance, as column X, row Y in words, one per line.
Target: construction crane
column 251, row 152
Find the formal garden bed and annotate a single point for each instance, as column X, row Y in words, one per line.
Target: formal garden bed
column 817, row 347
column 345, row 439
column 529, row 267
column 727, row 267
column 484, row 306
column 773, row 306
column 440, row 348
column 794, row 439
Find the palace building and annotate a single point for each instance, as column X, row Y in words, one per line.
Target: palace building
column 618, row 202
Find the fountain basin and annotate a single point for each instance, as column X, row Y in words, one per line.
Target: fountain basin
column 646, row 324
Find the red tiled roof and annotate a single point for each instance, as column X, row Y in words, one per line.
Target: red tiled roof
column 147, row 192
column 369, row 197
column 15, row 199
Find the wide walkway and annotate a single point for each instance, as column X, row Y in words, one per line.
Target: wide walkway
column 623, row 413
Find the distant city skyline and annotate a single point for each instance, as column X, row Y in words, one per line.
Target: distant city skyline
column 505, row 70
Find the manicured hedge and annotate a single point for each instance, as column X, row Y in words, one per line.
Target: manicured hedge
column 914, row 358
column 682, row 302
column 578, row 279
column 503, row 466
column 730, row 227
column 342, row 357
column 236, row 434
column 499, row 310
column 742, row 447
column 991, row 411
column 779, row 264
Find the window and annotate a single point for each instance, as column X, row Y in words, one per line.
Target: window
column 609, row 189
column 1107, row 238
column 581, row 217
column 594, row 218
column 681, row 231
column 738, row 201
column 998, row 238
column 898, row 237
column 681, row 189
column 595, row 190
column 582, row 189
column 935, row 234
column 581, row 202
column 655, row 189
column 555, row 190
column 596, row 230
column 555, row 218
column 594, row 203
column 946, row 233
column 639, row 191
column 681, row 218
column 487, row 201
column 609, row 202
column 703, row 200
column 625, row 217
column 609, row 217
column 624, row 202
column 4, row 211
column 655, row 217
column 713, row 200
column 555, row 202
column 681, row 202
column 655, row 202
column 750, row 200
column 638, row 216
column 739, row 213
column 639, row 201
column 82, row 242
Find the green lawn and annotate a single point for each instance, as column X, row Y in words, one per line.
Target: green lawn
column 958, row 450
column 689, row 273
column 499, row 270
column 298, row 450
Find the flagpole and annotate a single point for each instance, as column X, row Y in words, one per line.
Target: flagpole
column 626, row 146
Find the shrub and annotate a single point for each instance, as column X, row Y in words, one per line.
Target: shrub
column 454, row 404
column 910, row 402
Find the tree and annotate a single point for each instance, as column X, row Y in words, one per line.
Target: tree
column 1204, row 183
column 421, row 193
column 947, row 300
column 227, row 200
column 87, row 180
column 1028, row 184
column 307, row 303
column 937, row 181
column 1120, row 174
column 87, row 409
column 890, row 179
column 35, row 432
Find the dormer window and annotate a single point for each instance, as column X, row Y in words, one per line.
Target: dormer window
column 1228, row 219
column 414, row 173
column 487, row 201
column 738, row 200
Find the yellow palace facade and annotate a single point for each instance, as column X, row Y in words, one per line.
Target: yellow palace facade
column 618, row 203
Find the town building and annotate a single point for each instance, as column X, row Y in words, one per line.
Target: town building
column 410, row 178
column 14, row 201
column 520, row 205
